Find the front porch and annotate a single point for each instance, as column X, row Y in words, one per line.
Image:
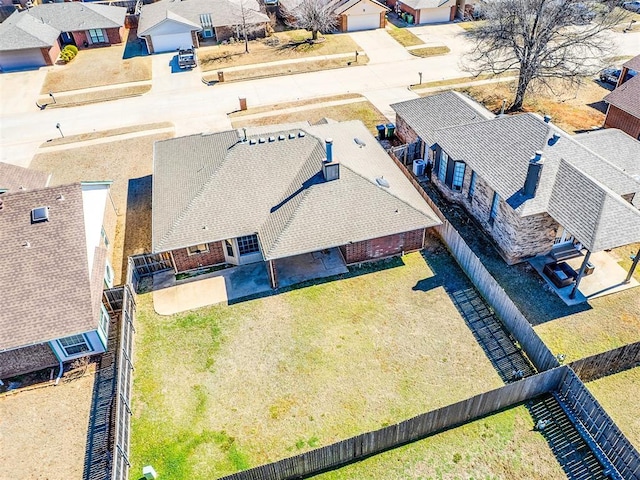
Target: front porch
column 234, row 283
column 608, row 277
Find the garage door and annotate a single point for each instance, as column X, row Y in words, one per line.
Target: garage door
column 21, row 59
column 435, row 15
column 172, row 42
column 363, row 22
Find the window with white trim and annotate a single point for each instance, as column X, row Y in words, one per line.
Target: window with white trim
column 472, row 184
column 97, row 35
column 494, row 207
column 104, row 237
column 196, row 249
column 74, row 344
column 248, row 244
column 442, row 167
column 108, row 276
column 104, row 320
column 458, row 176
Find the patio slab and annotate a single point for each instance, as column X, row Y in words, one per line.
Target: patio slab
column 300, row 268
column 607, row 278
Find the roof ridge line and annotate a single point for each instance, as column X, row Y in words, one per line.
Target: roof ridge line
column 287, row 224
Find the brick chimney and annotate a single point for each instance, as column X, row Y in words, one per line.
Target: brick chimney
column 330, row 169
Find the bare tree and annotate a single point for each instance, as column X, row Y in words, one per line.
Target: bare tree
column 251, row 20
column 543, row 40
column 314, row 16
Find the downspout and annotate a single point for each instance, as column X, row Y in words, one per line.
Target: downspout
column 60, row 372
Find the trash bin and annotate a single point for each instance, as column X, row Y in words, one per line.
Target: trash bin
column 243, row 103
column 418, row 167
column 381, row 130
column 409, row 19
column 391, row 130
column 221, row 76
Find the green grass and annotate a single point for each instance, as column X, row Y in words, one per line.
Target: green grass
column 403, row 36
column 223, row 388
column 501, row 446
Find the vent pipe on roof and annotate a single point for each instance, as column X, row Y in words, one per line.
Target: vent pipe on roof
column 533, row 175
column 547, row 119
column 329, row 146
column 553, row 140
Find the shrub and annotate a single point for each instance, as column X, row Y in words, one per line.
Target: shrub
column 68, row 53
column 72, row 48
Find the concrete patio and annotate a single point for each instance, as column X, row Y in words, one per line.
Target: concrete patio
column 607, row 278
column 234, row 283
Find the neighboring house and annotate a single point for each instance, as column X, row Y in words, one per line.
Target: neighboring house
column 19, row 179
column 170, row 25
column 33, row 38
column 352, row 15
column 239, row 198
column 533, row 187
column 623, row 111
column 54, row 255
column 426, row 11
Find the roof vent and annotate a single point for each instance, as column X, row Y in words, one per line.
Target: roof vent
column 383, row 182
column 261, row 140
column 301, row 134
column 281, row 137
column 329, row 149
column 26, row 244
column 359, row 142
column 253, row 141
column 272, row 139
column 21, row 188
column 547, row 119
column 292, row 135
column 553, row 140
column 60, row 197
column 40, row 214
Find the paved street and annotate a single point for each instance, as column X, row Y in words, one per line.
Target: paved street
column 194, row 107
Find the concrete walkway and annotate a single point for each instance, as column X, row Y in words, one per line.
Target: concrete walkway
column 101, row 88
column 380, row 46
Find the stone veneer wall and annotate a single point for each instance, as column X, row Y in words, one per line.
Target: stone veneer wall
column 382, row 247
column 404, row 132
column 184, row 261
column 518, row 238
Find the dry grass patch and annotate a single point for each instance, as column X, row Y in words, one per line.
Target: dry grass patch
column 500, row 446
column 43, row 431
column 296, row 104
column 456, row 81
column 280, row 46
column 288, row 69
column 95, row 68
column 624, row 255
column 403, row 36
column 470, row 24
column 119, row 161
column 618, row 394
column 83, row 137
column 224, row 388
column 570, row 110
column 95, row 97
column 429, row 51
column 363, row 111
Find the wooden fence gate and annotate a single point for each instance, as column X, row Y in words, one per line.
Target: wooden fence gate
column 150, row 263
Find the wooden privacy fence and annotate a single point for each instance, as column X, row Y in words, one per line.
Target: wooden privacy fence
column 416, row 428
column 120, row 453
column 489, row 288
column 607, row 363
column 601, row 432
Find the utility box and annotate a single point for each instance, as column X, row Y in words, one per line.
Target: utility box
column 149, row 473
column 220, row 77
column 243, row 103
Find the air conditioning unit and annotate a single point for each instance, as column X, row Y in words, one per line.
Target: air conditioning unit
column 418, row 167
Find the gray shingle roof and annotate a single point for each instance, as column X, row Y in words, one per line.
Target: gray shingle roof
column 419, row 4
column 595, row 215
column 273, row 188
column 46, row 287
column 616, row 147
column 22, row 31
column 633, row 64
column 427, row 114
column 14, row 178
column 41, row 25
column 222, row 13
column 626, row 97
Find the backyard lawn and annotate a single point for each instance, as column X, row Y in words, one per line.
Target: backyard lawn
column 121, row 161
column 286, row 45
column 501, row 446
column 225, row 388
column 618, row 394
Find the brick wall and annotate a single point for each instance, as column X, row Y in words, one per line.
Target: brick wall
column 51, row 54
column 404, row 132
column 184, row 261
column 115, row 35
column 617, row 118
column 382, row 247
column 112, row 36
column 194, row 39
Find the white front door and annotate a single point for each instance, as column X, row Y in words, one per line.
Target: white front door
column 230, row 251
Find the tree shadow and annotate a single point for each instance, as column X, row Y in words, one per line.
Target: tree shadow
column 137, row 233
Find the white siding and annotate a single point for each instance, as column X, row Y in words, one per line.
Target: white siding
column 435, row 15
column 363, row 22
column 171, row 42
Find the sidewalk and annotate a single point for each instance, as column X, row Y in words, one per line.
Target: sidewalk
column 109, row 139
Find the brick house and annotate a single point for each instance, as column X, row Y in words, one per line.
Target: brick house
column 530, row 185
column 266, row 195
column 169, row 25
column 426, row 11
column 33, row 38
column 623, row 109
column 352, row 15
column 52, row 235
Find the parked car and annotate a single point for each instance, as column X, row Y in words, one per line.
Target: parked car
column 187, row 58
column 612, row 74
column 632, row 6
